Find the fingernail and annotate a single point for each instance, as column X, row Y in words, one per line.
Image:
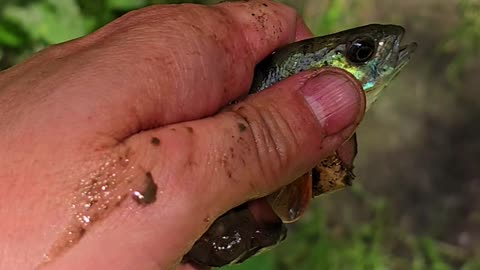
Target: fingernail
column 334, row 99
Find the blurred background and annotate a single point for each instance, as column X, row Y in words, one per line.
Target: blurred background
column 416, row 201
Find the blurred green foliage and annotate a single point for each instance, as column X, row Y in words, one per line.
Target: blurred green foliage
column 374, row 243
column 464, row 42
column 377, row 244
column 27, row 26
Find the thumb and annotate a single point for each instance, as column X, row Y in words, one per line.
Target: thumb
column 260, row 144
column 206, row 167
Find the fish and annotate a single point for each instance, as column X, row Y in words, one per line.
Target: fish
column 374, row 55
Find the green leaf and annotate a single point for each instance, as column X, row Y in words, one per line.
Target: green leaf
column 126, row 4
column 263, row 261
column 50, row 21
column 8, row 38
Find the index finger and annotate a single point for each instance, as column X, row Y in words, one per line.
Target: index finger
column 168, row 64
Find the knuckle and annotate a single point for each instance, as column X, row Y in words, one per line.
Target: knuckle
column 271, row 136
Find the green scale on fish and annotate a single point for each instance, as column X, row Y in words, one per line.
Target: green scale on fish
column 373, row 54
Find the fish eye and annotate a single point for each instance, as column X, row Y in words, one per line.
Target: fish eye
column 361, row 50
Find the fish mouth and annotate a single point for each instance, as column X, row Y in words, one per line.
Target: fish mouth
column 405, row 52
column 400, row 54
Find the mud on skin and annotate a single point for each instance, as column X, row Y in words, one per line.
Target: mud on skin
column 100, row 193
column 155, row 141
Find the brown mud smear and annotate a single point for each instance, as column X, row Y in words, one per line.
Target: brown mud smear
column 149, row 193
column 155, row 141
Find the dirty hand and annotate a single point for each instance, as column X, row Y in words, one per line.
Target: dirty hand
column 116, row 152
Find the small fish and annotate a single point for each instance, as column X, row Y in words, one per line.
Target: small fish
column 373, row 54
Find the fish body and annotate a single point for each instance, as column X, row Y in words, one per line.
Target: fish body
column 373, row 54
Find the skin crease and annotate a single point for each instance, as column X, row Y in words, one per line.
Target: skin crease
column 71, row 107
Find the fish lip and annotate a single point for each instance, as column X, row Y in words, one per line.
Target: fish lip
column 405, row 51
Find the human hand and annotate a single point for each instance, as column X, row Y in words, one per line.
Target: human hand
column 139, row 106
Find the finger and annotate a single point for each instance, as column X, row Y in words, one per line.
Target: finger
column 348, row 151
column 257, row 146
column 284, row 202
column 277, row 136
column 166, row 64
column 291, row 201
column 302, row 30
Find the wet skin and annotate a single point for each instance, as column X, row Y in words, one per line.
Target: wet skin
column 80, row 165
